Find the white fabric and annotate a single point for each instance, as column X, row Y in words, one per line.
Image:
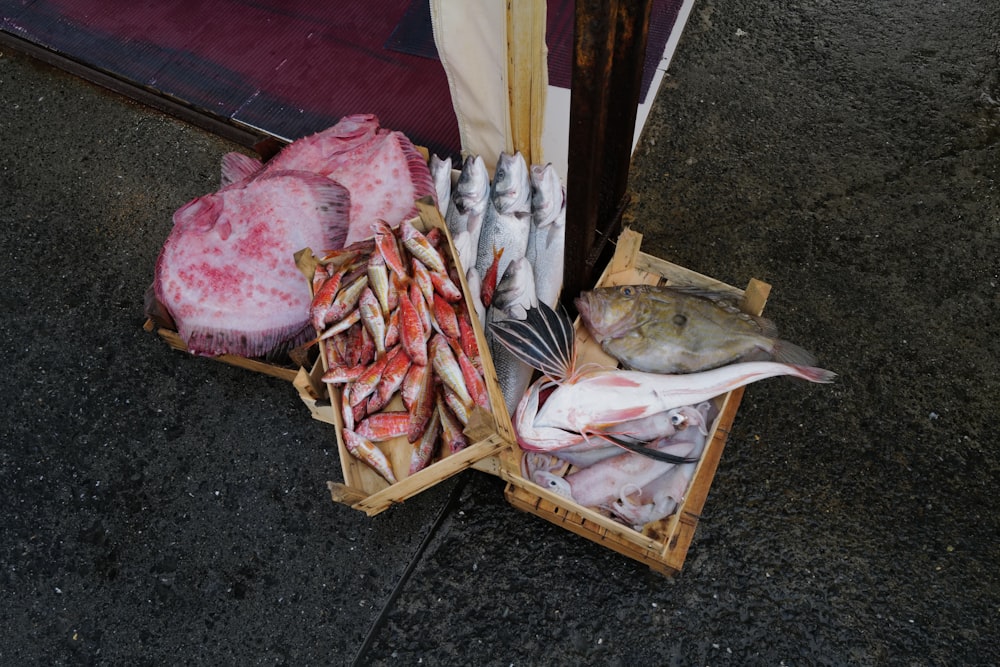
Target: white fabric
column 471, row 39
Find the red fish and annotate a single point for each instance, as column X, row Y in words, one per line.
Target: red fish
column 363, row 449
column 490, row 279
column 411, row 330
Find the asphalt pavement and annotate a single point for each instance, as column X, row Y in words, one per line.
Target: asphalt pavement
column 160, row 509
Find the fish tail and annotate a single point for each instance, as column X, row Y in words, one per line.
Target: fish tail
column 544, row 340
column 789, row 353
column 813, row 374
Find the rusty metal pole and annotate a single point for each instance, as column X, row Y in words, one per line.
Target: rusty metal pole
column 609, row 48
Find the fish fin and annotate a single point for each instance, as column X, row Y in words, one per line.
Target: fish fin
column 236, row 167
column 333, row 203
column 651, row 452
column 790, row 353
column 813, row 374
column 543, row 340
column 420, row 175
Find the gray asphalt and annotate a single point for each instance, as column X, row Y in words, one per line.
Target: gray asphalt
column 161, row 509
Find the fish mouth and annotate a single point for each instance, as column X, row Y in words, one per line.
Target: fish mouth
column 584, row 307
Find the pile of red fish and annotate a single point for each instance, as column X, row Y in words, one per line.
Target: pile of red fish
column 392, row 319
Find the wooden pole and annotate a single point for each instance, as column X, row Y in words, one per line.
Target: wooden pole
column 609, row 49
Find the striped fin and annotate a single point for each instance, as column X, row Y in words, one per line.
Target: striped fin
column 544, row 340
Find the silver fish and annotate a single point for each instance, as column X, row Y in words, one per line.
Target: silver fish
column 515, row 294
column 470, row 201
column 441, row 175
column 666, row 329
column 547, row 239
column 475, row 284
column 508, row 224
column 464, row 250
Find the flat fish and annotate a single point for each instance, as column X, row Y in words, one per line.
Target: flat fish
column 382, row 170
column 673, row 329
column 547, row 238
column 508, row 224
column 226, row 272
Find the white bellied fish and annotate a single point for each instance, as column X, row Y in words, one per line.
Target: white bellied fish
column 470, row 201
column 547, row 240
column 441, row 175
column 508, row 224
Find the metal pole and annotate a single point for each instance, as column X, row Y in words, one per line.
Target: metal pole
column 609, row 48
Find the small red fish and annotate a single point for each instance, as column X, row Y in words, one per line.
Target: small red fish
column 412, row 383
column 392, row 377
column 426, row 446
column 446, row 286
column 323, row 299
column 422, row 277
column 422, row 407
column 445, row 319
column 371, row 316
column 490, row 279
column 452, row 435
column 473, row 380
column 423, row 310
column 365, row 384
column 420, row 247
column 385, row 242
column 384, row 425
column 342, row 374
column 411, row 330
column 364, row 450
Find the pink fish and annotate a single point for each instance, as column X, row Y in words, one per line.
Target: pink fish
column 381, row 169
column 425, row 448
column 363, row 448
column 226, row 272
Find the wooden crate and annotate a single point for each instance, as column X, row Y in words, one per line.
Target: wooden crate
column 491, row 432
column 663, row 545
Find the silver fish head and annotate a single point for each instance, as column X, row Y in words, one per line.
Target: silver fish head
column 511, row 184
column 473, row 182
column 515, row 292
column 547, row 195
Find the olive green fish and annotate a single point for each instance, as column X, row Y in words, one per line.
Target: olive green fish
column 679, row 329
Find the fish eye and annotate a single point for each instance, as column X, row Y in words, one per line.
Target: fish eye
column 677, row 419
column 628, row 291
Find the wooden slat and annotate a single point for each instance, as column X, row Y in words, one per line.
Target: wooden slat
column 527, row 76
